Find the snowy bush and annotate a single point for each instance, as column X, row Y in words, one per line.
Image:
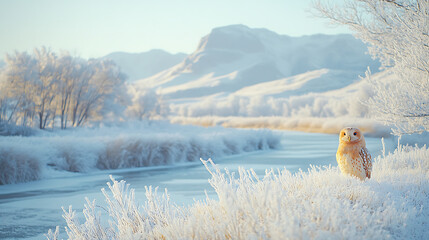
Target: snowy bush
column 127, row 146
column 167, row 148
column 318, row 204
column 7, row 129
column 16, row 165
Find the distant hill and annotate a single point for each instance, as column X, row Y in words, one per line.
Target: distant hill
column 316, row 81
column 143, row 65
column 240, row 60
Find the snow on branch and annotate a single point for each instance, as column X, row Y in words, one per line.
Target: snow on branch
column 45, row 89
column 397, row 34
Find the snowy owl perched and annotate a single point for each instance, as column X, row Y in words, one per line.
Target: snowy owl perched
column 352, row 156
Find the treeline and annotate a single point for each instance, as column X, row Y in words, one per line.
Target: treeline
column 45, row 89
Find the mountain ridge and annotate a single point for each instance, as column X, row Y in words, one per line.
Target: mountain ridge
column 141, row 65
column 234, row 57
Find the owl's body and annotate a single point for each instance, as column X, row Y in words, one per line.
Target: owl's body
column 352, row 156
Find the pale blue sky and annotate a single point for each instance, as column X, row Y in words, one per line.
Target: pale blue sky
column 94, row 28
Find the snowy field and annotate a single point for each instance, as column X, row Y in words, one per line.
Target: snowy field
column 316, row 204
column 28, row 210
column 51, row 154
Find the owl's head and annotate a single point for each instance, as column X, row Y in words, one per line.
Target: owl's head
column 351, row 135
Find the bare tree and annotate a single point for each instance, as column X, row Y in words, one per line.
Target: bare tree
column 398, row 35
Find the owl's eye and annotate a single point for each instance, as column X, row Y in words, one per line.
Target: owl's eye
column 355, row 133
column 344, row 134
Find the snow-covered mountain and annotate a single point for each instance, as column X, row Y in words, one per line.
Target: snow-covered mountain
column 315, row 81
column 143, row 65
column 245, row 61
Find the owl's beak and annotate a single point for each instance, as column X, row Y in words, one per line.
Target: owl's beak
column 348, row 138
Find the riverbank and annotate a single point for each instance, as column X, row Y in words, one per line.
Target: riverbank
column 320, row 203
column 48, row 154
column 369, row 127
column 28, row 210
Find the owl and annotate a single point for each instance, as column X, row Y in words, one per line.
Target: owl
column 352, row 156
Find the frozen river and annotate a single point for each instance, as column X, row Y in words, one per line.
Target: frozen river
column 28, row 210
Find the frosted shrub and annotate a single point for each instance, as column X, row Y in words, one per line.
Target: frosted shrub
column 27, row 158
column 128, row 220
column 7, row 129
column 137, row 152
column 74, row 155
column 318, row 204
column 17, row 166
column 164, row 149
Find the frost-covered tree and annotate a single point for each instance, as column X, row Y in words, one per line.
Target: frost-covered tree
column 397, row 32
column 146, row 104
column 100, row 83
column 44, row 86
column 70, row 71
column 7, row 109
column 37, row 88
column 16, row 88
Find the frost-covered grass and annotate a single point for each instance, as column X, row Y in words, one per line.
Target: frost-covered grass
column 307, row 124
column 318, row 204
column 16, row 165
column 131, row 145
column 7, row 129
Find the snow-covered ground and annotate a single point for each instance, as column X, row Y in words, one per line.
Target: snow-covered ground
column 27, row 210
column 133, row 144
column 316, row 204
